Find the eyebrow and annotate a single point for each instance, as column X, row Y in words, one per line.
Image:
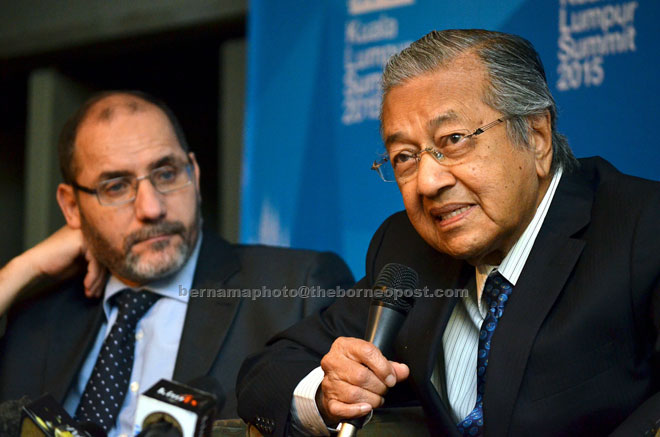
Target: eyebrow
column 168, row 159
column 394, row 138
column 442, row 119
column 112, row 175
column 433, row 124
column 165, row 160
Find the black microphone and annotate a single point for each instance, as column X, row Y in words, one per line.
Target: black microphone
column 210, row 385
column 46, row 418
column 10, row 416
column 172, row 409
column 387, row 313
column 93, row 429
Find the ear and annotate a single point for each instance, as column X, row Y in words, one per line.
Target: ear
column 196, row 172
column 541, row 143
column 69, row 205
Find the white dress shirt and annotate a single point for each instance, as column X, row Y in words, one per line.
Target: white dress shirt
column 460, row 339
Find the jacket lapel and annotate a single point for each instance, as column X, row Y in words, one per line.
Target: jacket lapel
column 206, row 324
column 424, row 350
column 549, row 265
column 207, row 319
column 75, row 330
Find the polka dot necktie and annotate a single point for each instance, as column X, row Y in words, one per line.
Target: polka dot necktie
column 106, row 388
column 496, row 292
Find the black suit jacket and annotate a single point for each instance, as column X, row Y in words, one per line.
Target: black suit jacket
column 48, row 337
column 576, row 352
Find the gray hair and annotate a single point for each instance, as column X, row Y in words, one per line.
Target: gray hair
column 517, row 83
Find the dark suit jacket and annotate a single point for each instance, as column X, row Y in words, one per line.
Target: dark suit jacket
column 576, row 352
column 48, row 337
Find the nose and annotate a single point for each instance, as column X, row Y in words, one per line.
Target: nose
column 433, row 177
column 149, row 204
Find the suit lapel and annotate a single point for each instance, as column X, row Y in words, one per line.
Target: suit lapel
column 207, row 319
column 424, row 350
column 75, row 330
column 549, row 265
column 205, row 328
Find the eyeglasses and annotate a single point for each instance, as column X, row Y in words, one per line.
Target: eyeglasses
column 450, row 150
column 121, row 190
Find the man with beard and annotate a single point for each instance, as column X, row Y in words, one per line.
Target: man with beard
column 131, row 201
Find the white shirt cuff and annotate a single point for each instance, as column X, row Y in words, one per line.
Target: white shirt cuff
column 304, row 412
column 305, row 416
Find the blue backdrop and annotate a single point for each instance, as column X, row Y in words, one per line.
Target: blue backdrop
column 313, row 101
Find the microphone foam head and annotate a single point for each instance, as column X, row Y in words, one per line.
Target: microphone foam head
column 395, row 280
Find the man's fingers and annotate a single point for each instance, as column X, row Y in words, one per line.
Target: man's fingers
column 366, row 353
column 357, row 376
column 95, row 277
column 348, row 393
column 94, row 284
column 402, row 371
column 341, row 401
column 88, row 283
column 339, row 368
column 340, row 410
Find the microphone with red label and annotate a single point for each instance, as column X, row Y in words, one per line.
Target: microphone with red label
column 171, row 409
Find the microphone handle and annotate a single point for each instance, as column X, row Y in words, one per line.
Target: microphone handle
column 382, row 327
column 349, row 428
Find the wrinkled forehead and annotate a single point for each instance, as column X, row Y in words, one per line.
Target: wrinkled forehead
column 453, row 92
column 112, row 108
column 465, row 72
column 125, row 126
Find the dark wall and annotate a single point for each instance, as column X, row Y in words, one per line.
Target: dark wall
column 183, row 73
column 13, row 115
column 180, row 67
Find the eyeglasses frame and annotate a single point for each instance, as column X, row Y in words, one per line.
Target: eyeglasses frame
column 436, row 154
column 94, row 191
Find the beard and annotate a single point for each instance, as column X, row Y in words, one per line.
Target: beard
column 136, row 267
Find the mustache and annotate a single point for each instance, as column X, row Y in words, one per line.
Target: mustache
column 163, row 228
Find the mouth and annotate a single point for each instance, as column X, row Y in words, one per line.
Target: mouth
column 153, row 239
column 155, row 236
column 452, row 213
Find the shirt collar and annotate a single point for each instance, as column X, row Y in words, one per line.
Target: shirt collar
column 512, row 265
column 168, row 287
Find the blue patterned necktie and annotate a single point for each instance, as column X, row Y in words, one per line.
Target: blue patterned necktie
column 496, row 292
column 106, row 388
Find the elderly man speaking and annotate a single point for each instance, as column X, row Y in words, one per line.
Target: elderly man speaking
column 558, row 334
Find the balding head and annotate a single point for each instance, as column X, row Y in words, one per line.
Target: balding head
column 102, row 108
